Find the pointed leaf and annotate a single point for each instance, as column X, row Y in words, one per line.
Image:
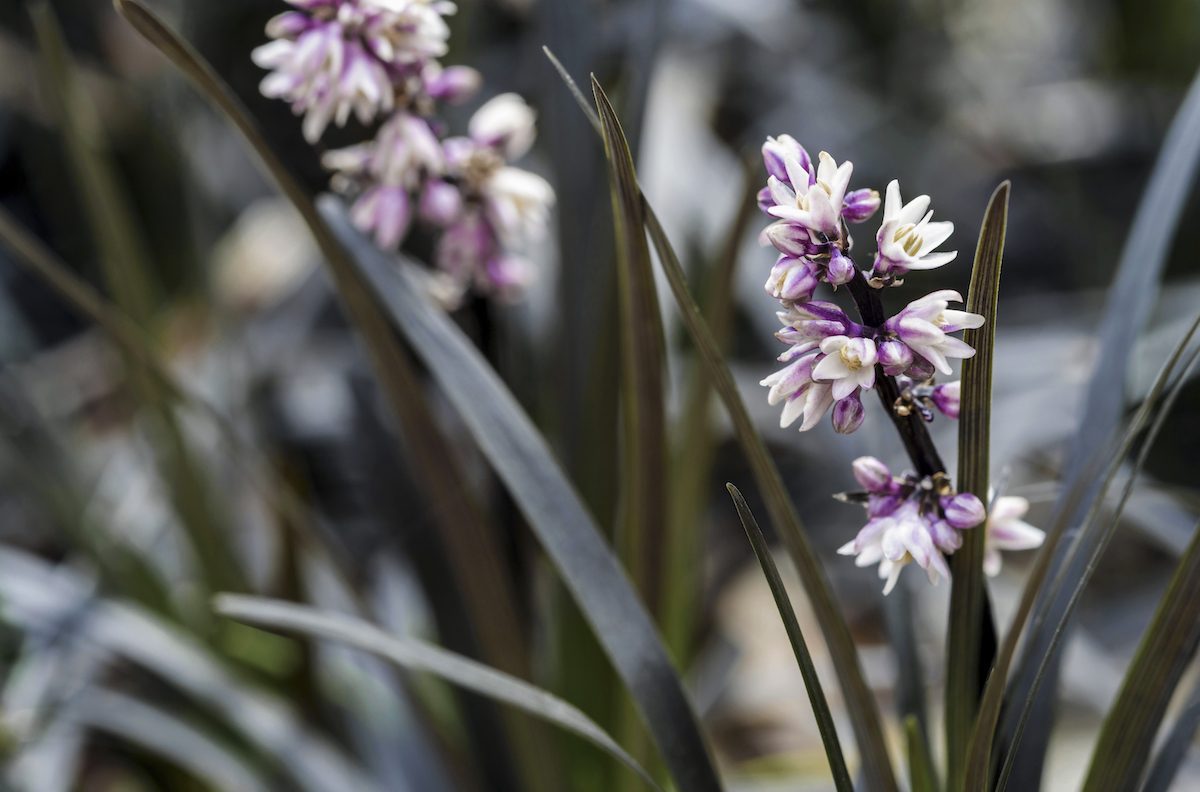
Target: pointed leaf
column 644, row 446
column 970, row 624
column 1165, row 652
column 979, row 766
column 1132, row 295
column 812, row 683
column 1091, row 543
column 864, row 712
column 415, row 655
column 465, row 527
column 566, row 531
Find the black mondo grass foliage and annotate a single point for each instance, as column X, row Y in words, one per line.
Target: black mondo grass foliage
column 209, row 617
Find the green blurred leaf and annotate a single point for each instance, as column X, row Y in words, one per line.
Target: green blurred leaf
column 127, row 273
column 566, row 531
column 415, row 655
column 465, row 525
column 921, row 772
column 979, row 766
column 812, row 683
column 643, row 462
column 970, row 621
column 1166, row 650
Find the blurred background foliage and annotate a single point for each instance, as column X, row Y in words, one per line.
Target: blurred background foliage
column 121, row 512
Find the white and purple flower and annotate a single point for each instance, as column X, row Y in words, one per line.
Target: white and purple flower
column 909, row 520
column 908, row 237
column 925, row 326
column 1006, row 530
column 334, row 58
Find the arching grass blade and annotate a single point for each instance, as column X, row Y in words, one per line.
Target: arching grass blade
column 1165, row 652
column 812, row 683
column 415, row 655
column 566, row 531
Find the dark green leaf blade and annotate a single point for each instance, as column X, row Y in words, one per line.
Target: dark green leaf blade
column 557, row 516
column 644, row 446
column 1091, row 544
column 415, row 655
column 1165, row 652
column 812, row 683
column 1174, row 749
column 472, row 546
column 970, row 623
column 1129, row 300
column 864, row 713
column 983, row 735
column 921, row 771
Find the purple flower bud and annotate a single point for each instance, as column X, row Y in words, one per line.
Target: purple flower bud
column 841, row 269
column 946, row 398
column 441, row 202
column 790, row 239
column 872, row 474
column 920, row 370
column 791, row 280
column 765, row 199
column 848, row 414
column 963, row 510
column 859, row 205
column 454, row 84
column 895, row 357
column 776, row 150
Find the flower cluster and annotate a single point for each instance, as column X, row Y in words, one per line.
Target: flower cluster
column 377, row 60
column 831, row 359
column 909, row 519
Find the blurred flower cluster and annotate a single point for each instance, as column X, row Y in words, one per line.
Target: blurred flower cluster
column 377, row 60
column 831, row 359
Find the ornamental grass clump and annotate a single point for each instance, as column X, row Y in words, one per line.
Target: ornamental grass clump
column 562, row 557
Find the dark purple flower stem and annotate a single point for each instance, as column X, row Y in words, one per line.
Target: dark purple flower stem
column 912, row 429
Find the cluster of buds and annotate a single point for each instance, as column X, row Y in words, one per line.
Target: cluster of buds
column 831, row 359
column 376, row 60
column 909, row 519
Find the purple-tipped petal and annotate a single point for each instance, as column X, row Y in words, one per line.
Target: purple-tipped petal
column 872, row 474
column 895, row 357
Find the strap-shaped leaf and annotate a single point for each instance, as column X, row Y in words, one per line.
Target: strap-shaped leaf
column 864, row 713
column 473, row 550
column 416, row 655
column 644, row 442
column 812, row 683
column 921, row 771
column 970, row 623
column 979, row 766
column 1166, row 650
column 1091, row 544
column 556, row 515
column 1175, row 747
column 1130, row 298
